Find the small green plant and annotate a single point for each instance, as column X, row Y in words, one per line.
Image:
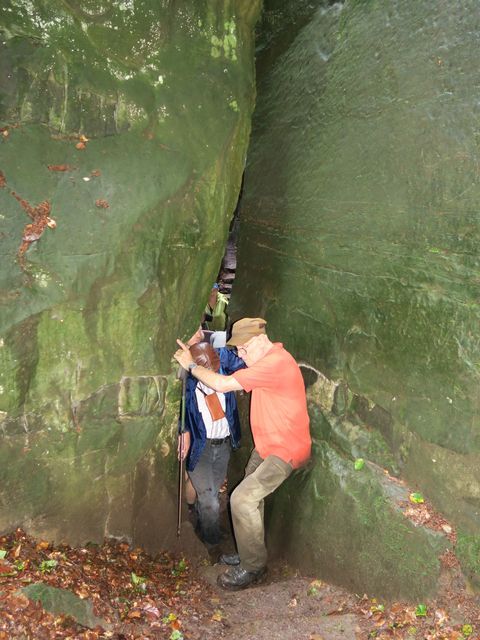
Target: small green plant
column 46, row 566
column 176, row 635
column 19, row 565
column 314, row 588
column 416, row 498
column 169, row 619
column 138, row 582
column 126, row 604
column 467, row 630
column 180, row 567
column 421, row 610
column 3, row 553
column 359, row 464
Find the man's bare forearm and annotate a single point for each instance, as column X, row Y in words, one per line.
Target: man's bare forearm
column 215, row 380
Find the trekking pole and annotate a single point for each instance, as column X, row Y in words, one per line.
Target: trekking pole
column 181, row 465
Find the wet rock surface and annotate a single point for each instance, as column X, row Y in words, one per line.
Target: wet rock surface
column 358, row 232
column 126, row 124
column 357, row 224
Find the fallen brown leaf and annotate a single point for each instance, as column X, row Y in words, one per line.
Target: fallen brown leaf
column 217, row 616
column 151, row 611
column 59, row 167
column 43, row 544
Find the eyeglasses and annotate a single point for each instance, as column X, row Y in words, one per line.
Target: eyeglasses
column 245, row 347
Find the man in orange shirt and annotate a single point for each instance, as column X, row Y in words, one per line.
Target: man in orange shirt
column 280, row 429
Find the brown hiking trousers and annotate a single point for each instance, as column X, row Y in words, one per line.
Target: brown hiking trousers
column 262, row 477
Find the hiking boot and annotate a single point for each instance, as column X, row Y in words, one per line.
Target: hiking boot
column 238, row 578
column 232, row 559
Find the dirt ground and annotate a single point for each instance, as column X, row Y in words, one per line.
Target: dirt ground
column 286, row 606
column 174, row 596
column 136, row 597
column 290, row 606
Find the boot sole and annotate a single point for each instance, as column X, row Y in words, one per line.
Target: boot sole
column 256, row 581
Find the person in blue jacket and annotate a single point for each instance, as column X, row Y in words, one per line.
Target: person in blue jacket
column 212, row 429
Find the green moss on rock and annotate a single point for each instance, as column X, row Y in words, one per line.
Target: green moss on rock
column 88, row 322
column 468, row 552
column 343, row 526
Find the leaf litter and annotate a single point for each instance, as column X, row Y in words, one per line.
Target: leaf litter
column 141, row 597
column 137, row 595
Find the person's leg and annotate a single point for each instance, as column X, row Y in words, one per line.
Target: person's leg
column 233, row 559
column 207, row 478
column 253, row 463
column 190, row 493
column 191, row 498
column 220, row 461
column 262, row 478
column 220, row 458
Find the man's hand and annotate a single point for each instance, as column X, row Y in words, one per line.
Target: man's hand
column 182, row 450
column 183, row 355
column 215, row 381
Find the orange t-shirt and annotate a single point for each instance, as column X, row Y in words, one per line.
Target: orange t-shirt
column 278, row 413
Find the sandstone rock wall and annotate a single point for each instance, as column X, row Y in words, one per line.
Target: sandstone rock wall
column 359, row 227
column 130, row 120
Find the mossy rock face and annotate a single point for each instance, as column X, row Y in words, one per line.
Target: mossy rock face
column 134, row 131
column 343, row 526
column 63, row 602
column 345, row 522
column 372, row 219
column 468, row 552
column 358, row 226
